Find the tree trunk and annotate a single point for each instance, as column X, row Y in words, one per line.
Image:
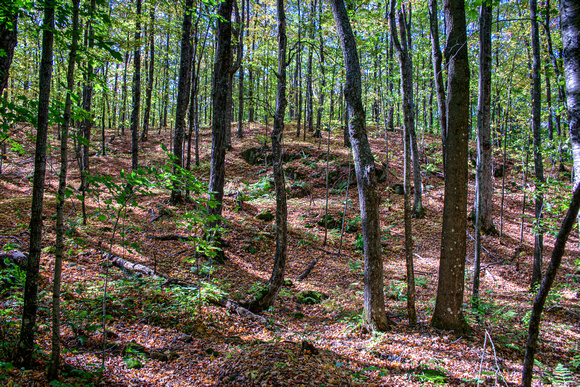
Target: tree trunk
column 8, row 40
column 25, row 346
column 438, row 73
column 222, row 65
column 374, row 314
column 183, row 91
column 537, row 131
column 559, row 247
column 149, row 90
column 570, row 24
column 55, row 348
column 448, row 313
column 277, row 277
column 483, row 177
column 484, row 181
column 136, row 92
column 124, row 92
column 408, row 123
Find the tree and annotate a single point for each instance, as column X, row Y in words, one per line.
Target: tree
column 537, row 132
column 136, row 91
column 483, row 177
column 484, row 180
column 222, row 66
column 55, row 348
column 548, row 281
column 437, row 60
column 25, row 346
column 8, row 39
column 183, row 91
column 374, row 314
column 570, row 24
column 277, row 278
column 449, row 302
column 149, row 89
column 408, row 123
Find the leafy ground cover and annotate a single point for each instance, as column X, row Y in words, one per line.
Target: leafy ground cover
column 166, row 332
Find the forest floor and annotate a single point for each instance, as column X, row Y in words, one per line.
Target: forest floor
column 163, row 334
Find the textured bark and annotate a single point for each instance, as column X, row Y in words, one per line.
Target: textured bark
column 136, row 92
column 537, row 132
column 438, row 73
column 55, row 347
column 555, row 261
column 241, row 77
column 150, row 76
column 406, row 69
column 25, row 348
column 8, row 40
column 448, row 312
column 124, row 91
column 374, row 314
column 183, row 91
column 484, row 181
column 277, row 277
column 222, row 65
column 483, row 178
column 570, row 24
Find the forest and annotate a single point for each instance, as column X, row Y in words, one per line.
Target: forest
column 289, row 193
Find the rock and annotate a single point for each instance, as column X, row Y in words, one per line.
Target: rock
column 133, row 347
column 159, row 356
column 185, row 338
column 265, row 216
column 398, row 189
column 310, row 297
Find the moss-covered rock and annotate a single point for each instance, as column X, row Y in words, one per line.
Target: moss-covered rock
column 310, row 297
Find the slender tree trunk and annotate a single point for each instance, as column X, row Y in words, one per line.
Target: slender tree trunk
column 277, row 277
column 448, row 312
column 25, row 346
column 136, row 92
column 555, row 261
column 483, row 177
column 484, row 181
column 222, row 66
column 374, row 314
column 124, row 92
column 183, row 91
column 150, row 76
column 8, row 41
column 408, row 123
column 241, row 74
column 55, row 348
column 87, row 124
column 438, row 73
column 537, row 131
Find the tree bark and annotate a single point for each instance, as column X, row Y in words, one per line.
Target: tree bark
column 570, row 24
column 448, row 312
column 484, row 181
column 374, row 314
column 438, row 73
column 222, row 66
column 55, row 348
column 136, row 92
column 183, row 91
column 537, row 131
column 557, row 254
column 25, row 346
column 277, row 277
column 149, row 89
column 408, row 123
column 8, row 41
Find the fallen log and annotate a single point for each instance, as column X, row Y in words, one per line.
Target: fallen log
column 134, row 267
column 170, row 237
column 237, row 308
column 309, row 268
